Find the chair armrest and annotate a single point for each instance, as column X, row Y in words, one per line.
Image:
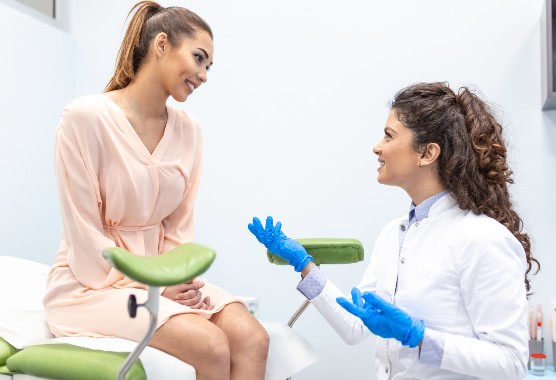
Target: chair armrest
column 328, row 251
column 176, row 266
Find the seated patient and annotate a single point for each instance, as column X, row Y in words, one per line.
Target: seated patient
column 446, row 288
column 128, row 168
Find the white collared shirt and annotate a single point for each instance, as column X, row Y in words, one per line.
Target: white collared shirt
column 463, row 274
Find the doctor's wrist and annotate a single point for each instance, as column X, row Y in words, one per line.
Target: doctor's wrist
column 305, row 271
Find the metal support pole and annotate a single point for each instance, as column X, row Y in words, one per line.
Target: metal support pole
column 152, row 307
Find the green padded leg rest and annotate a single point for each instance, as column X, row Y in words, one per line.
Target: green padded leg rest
column 176, row 266
column 5, row 371
column 68, row 362
column 6, row 350
column 327, row 251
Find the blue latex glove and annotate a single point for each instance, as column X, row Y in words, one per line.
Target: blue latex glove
column 272, row 237
column 383, row 318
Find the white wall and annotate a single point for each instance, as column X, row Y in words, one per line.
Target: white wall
column 37, row 77
column 294, row 103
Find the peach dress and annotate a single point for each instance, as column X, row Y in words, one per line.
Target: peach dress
column 114, row 192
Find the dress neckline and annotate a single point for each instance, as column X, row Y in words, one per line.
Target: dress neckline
column 134, row 138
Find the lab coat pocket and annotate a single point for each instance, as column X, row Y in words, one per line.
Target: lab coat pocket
column 433, row 296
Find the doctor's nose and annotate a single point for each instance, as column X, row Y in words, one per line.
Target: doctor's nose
column 377, row 149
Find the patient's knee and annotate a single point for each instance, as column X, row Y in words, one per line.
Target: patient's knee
column 257, row 341
column 212, row 357
column 217, row 348
column 264, row 342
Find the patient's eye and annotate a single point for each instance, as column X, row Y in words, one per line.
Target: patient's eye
column 199, row 57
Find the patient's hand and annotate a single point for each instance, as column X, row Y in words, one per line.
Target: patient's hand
column 188, row 294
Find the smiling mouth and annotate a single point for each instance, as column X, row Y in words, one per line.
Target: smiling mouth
column 191, row 86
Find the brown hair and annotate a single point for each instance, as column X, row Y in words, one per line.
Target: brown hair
column 472, row 164
column 149, row 19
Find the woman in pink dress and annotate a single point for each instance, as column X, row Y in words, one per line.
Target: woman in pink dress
column 128, row 168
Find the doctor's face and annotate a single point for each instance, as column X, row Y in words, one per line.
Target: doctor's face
column 398, row 162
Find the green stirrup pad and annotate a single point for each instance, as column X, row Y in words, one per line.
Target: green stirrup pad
column 328, row 251
column 5, row 371
column 68, row 362
column 176, row 266
column 6, row 350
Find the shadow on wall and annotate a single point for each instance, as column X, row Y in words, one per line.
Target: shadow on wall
column 549, row 123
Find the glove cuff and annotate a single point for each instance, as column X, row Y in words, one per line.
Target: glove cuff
column 415, row 334
column 300, row 264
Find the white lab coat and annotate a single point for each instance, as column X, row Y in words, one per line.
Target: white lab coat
column 463, row 274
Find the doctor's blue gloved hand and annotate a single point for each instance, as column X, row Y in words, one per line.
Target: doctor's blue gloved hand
column 383, row 318
column 272, row 237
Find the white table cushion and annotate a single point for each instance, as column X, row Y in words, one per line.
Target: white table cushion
column 22, row 324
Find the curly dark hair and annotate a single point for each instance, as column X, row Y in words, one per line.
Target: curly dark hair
column 472, row 164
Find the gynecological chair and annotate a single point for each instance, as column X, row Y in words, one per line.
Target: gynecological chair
column 28, row 351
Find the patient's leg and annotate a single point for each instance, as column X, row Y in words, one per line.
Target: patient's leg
column 248, row 341
column 198, row 342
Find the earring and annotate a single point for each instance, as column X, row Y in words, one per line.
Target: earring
column 419, row 164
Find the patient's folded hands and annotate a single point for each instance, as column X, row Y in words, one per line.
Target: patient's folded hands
column 383, row 318
column 272, row 237
column 188, row 294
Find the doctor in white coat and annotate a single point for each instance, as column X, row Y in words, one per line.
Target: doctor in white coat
column 446, row 288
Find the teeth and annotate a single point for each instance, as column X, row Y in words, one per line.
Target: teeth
column 191, row 87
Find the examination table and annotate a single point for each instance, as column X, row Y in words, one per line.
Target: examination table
column 23, row 328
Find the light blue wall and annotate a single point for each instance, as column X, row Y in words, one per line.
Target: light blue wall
column 37, row 77
column 294, row 103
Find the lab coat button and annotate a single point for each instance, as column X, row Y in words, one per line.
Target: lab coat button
column 402, row 227
column 416, row 224
column 402, row 260
column 386, row 369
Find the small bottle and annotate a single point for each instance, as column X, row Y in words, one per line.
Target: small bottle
column 538, row 364
column 539, row 330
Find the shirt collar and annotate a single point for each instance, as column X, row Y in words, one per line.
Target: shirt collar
column 420, row 212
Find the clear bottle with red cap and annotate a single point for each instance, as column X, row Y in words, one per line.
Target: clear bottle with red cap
column 538, row 363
